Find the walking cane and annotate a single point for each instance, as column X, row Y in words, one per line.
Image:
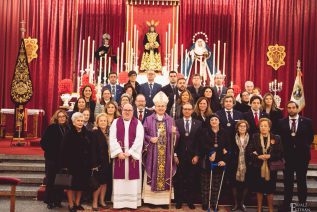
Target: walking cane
column 223, row 174
column 212, row 166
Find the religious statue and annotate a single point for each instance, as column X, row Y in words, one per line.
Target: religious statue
column 199, row 59
column 105, row 48
column 151, row 59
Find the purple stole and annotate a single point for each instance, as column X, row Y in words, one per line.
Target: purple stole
column 119, row 165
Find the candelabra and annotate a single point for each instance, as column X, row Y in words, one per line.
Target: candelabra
column 275, row 87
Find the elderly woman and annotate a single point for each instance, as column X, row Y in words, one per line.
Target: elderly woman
column 238, row 169
column 158, row 139
column 50, row 143
column 89, row 125
column 102, row 102
column 274, row 113
column 101, row 160
column 124, row 99
column 214, row 149
column 76, row 159
column 265, row 148
column 202, row 111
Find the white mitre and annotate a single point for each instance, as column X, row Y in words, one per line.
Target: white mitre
column 160, row 98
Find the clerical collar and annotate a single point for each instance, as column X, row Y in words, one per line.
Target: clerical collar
column 159, row 117
column 295, row 117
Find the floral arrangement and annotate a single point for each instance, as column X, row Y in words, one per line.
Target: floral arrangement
column 65, row 86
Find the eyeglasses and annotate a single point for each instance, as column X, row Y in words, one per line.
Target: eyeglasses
column 187, row 108
column 125, row 110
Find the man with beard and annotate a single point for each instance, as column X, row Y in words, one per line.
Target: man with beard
column 181, row 86
column 171, row 87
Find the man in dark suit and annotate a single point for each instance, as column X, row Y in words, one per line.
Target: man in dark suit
column 140, row 112
column 116, row 89
column 196, row 89
column 297, row 136
column 219, row 88
column 228, row 117
column 186, row 157
column 171, row 87
column 254, row 115
column 181, row 86
column 150, row 88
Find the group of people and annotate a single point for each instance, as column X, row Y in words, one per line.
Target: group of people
column 144, row 139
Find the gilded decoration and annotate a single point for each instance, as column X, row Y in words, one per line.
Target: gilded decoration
column 276, row 55
column 161, row 157
column 31, row 48
column 21, row 85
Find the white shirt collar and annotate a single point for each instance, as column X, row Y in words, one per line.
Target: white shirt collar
column 296, row 117
column 229, row 110
column 253, row 111
column 190, row 119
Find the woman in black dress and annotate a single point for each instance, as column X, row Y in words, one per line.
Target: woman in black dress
column 274, row 113
column 51, row 144
column 214, row 149
column 89, row 95
column 76, row 159
column 101, row 160
column 202, row 111
column 213, row 100
column 238, row 169
column 265, row 147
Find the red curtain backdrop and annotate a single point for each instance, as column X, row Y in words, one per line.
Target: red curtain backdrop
column 247, row 26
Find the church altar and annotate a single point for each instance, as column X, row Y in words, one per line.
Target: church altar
column 33, row 126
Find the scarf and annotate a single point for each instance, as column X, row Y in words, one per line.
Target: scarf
column 241, row 170
column 265, row 171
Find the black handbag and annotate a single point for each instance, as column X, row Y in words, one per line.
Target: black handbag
column 93, row 180
column 278, row 165
column 63, row 179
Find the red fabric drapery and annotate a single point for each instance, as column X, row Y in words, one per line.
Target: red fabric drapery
column 247, row 26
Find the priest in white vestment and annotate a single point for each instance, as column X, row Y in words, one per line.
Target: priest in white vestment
column 126, row 142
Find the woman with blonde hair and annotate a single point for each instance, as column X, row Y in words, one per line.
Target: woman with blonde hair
column 50, row 143
column 273, row 112
column 202, row 111
column 100, row 160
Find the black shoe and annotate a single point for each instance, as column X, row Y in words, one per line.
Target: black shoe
column 243, row 208
column 79, row 207
column 205, row 207
column 178, row 205
column 104, row 206
column 165, row 206
column 72, row 209
column 152, row 206
column 95, row 209
column 50, row 205
column 234, row 208
column 58, row 204
column 191, row 206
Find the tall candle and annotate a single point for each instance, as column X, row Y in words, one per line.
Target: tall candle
column 166, row 41
column 121, row 59
column 214, row 59
column 88, row 51
column 109, row 65
column 127, row 46
column 100, row 70
column 224, row 59
column 182, row 57
column 218, row 56
column 131, row 60
column 83, row 55
column 172, row 60
column 105, row 70
column 186, row 58
column 200, row 66
column 196, row 65
column 92, row 54
column 136, row 48
column 118, row 59
column 169, row 38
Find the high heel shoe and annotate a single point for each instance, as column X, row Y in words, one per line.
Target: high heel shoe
column 234, row 208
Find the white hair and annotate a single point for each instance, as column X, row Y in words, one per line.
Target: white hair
column 248, row 83
column 76, row 116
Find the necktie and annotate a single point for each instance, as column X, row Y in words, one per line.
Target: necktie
column 230, row 119
column 151, row 89
column 140, row 115
column 187, row 127
column 173, row 88
column 113, row 91
column 219, row 92
column 293, row 125
column 256, row 119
